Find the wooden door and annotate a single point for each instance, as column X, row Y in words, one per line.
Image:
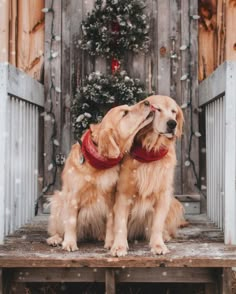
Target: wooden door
column 170, row 68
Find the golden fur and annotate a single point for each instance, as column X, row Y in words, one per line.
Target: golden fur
column 144, row 204
column 83, row 209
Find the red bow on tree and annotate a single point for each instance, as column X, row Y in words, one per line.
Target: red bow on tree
column 115, row 63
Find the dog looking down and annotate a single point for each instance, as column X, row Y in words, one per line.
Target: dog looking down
column 83, row 209
column 144, row 203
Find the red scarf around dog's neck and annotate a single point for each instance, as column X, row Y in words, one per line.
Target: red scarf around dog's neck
column 91, row 154
column 141, row 154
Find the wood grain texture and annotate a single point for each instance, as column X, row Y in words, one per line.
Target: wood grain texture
column 4, row 31
column 225, row 280
column 217, row 41
column 110, row 281
column 175, row 75
column 158, row 70
column 13, row 32
column 53, row 102
column 30, row 37
column 111, row 276
column 198, row 245
column 230, row 45
column 194, row 119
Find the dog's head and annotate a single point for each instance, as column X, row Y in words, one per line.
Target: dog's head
column 168, row 119
column 114, row 135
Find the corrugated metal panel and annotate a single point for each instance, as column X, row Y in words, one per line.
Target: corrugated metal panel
column 215, row 160
column 22, row 156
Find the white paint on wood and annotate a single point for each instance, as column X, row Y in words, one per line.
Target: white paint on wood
column 213, row 86
column 3, row 136
column 22, row 85
column 230, row 154
column 218, row 93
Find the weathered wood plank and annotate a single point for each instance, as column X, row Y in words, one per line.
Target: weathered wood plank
column 12, row 32
column 30, row 37
column 110, row 281
column 166, row 275
column 163, row 41
column 194, row 118
column 152, row 64
column 225, row 281
column 69, row 23
column 182, row 254
column 27, row 275
column 185, row 94
column 111, row 276
column 221, row 31
column 24, row 87
column 4, row 31
column 175, row 75
column 207, row 38
column 53, row 100
column 230, row 16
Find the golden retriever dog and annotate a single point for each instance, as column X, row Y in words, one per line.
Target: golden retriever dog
column 83, row 209
column 144, row 203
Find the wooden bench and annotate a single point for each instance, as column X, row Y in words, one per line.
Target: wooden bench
column 197, row 255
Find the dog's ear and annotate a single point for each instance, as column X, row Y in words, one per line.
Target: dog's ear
column 107, row 145
column 180, row 122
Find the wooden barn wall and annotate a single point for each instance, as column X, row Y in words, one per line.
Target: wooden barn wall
column 22, row 35
column 217, row 38
column 171, row 24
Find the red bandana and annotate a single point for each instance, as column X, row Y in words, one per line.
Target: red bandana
column 141, row 154
column 91, row 154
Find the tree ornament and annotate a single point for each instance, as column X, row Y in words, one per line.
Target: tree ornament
column 115, row 27
column 98, row 94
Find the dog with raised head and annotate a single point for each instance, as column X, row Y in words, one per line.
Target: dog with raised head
column 144, row 203
column 83, row 208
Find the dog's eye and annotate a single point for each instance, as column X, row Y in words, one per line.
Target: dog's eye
column 158, row 109
column 173, row 111
column 125, row 113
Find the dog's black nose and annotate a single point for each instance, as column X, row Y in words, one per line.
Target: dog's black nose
column 146, row 102
column 171, row 124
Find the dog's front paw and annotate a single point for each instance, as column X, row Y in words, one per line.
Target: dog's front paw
column 69, row 245
column 54, row 240
column 108, row 242
column 119, row 249
column 166, row 236
column 159, row 249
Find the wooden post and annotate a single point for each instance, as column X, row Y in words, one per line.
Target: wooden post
column 3, row 145
column 225, row 281
column 12, row 32
column 230, row 156
column 1, row 282
column 230, row 30
column 4, row 31
column 110, row 284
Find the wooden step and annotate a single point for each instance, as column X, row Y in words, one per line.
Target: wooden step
column 197, row 255
column 191, row 203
